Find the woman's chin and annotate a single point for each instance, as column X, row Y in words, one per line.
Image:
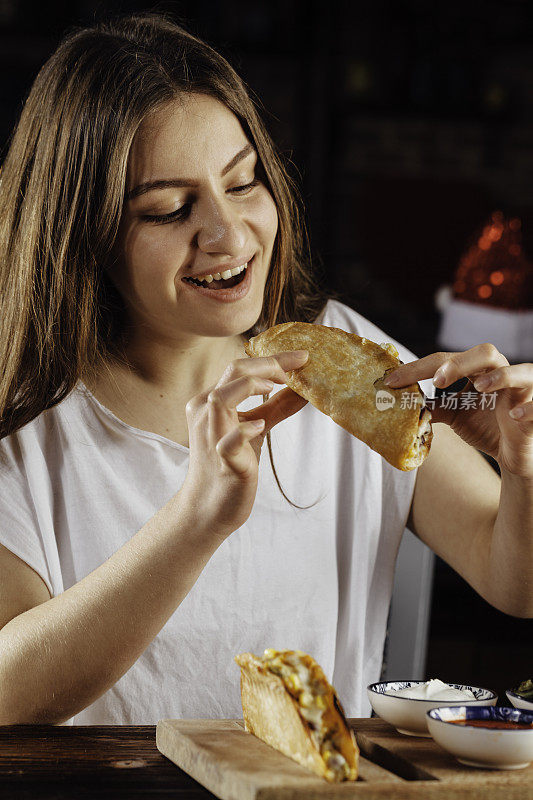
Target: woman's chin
column 230, row 323
column 233, row 328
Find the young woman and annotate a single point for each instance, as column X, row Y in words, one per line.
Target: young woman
column 147, row 229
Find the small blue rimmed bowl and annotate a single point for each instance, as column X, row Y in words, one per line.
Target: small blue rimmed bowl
column 408, row 714
column 518, row 701
column 489, row 748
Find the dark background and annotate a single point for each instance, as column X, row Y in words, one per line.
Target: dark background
column 407, row 123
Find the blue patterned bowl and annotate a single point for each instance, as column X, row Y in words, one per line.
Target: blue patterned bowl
column 483, row 747
column 408, row 715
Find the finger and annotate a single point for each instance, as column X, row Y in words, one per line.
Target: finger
column 232, row 393
column 446, row 368
column 221, row 402
column 469, row 364
column 271, row 367
column 522, row 413
column 517, row 376
column 414, row 371
column 280, row 406
column 232, row 447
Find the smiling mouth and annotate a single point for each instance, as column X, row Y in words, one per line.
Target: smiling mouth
column 216, row 281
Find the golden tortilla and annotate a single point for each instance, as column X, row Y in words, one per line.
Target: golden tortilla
column 272, row 714
column 343, row 378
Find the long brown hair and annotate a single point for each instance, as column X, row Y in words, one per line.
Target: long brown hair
column 61, row 194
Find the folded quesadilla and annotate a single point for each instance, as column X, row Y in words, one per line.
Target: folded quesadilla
column 289, row 704
column 343, row 377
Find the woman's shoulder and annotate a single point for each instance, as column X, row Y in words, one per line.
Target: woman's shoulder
column 338, row 315
column 43, row 432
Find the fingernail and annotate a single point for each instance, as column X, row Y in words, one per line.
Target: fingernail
column 259, row 424
column 439, row 379
column 516, row 413
column 482, row 383
column 392, row 378
column 300, row 355
column 268, row 384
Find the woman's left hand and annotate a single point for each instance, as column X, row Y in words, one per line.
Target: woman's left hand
column 478, row 417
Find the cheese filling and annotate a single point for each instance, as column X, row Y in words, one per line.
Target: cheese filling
column 424, row 425
column 310, row 696
column 423, row 438
column 389, row 347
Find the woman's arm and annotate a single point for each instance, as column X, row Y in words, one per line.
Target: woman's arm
column 480, row 525
column 60, row 656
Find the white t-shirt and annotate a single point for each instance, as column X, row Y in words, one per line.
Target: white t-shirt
column 76, row 483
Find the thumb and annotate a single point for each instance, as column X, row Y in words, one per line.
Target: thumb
column 442, row 414
column 284, row 403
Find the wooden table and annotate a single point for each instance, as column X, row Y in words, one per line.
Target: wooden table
column 41, row 762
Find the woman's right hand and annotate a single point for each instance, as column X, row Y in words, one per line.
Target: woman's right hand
column 225, row 444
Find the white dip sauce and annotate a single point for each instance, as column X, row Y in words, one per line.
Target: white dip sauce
column 433, row 690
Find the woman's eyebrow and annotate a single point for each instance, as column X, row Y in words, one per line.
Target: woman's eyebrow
column 142, row 188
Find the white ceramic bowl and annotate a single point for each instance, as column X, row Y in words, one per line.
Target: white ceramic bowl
column 519, row 702
column 409, row 715
column 483, row 747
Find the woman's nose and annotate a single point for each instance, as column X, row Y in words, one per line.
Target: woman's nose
column 221, row 229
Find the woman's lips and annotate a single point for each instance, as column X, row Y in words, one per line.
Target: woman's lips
column 230, row 294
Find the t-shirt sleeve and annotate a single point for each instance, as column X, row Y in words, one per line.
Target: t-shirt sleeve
column 20, row 528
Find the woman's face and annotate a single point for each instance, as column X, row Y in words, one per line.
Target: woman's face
column 194, row 209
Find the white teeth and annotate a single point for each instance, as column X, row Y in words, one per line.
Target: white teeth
column 219, row 276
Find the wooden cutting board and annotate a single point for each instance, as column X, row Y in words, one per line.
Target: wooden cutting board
column 235, row 765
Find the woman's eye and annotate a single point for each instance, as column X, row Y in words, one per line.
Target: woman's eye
column 175, row 216
column 245, row 188
column 184, row 211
